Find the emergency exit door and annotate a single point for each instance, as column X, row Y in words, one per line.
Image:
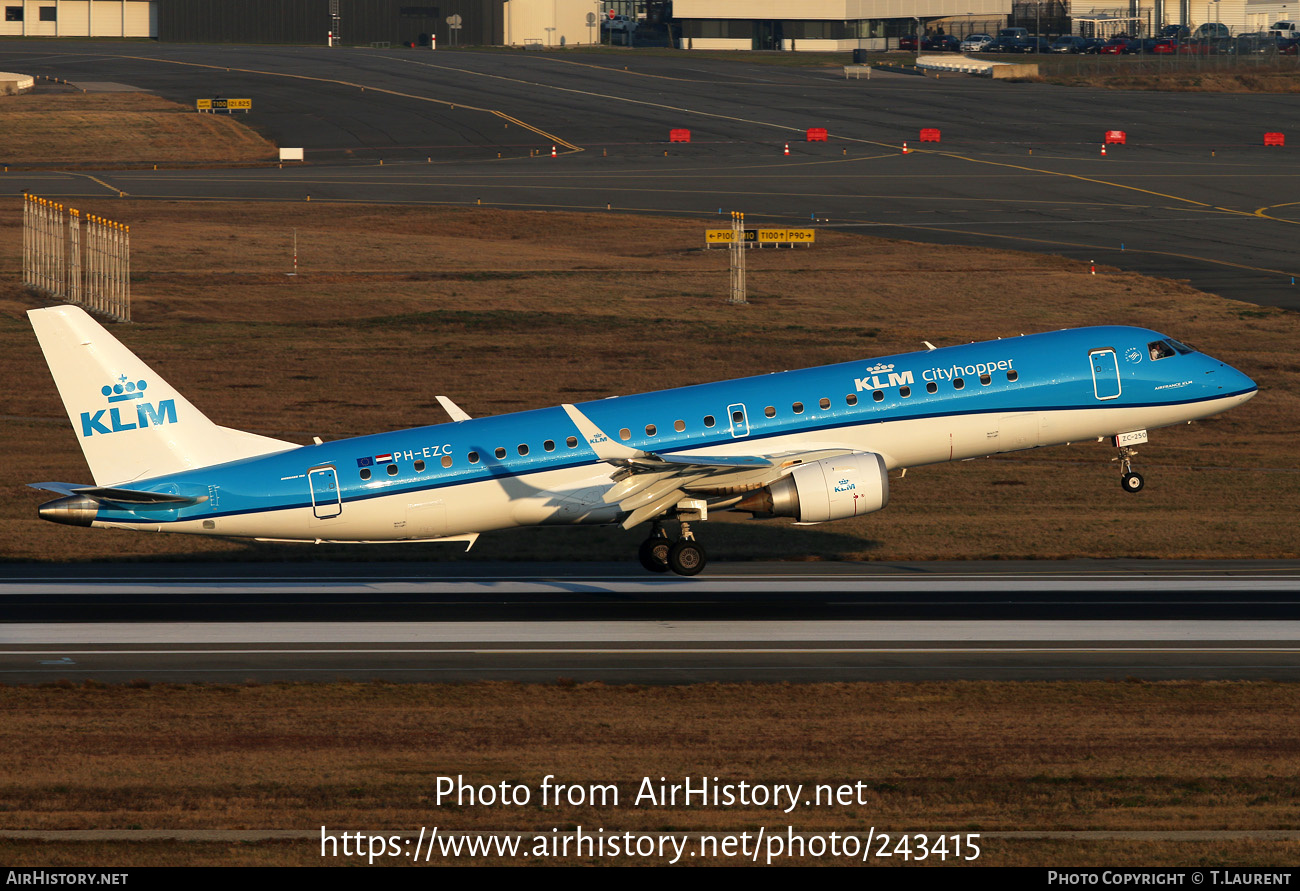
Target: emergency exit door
column 325, row 500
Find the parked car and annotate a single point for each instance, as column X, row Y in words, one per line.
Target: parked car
column 1069, row 44
column 939, row 43
column 1212, row 31
column 1015, row 33
column 1033, row 45
column 907, row 42
column 1165, row 46
column 619, row 23
column 1175, row 32
column 1114, row 47
column 1002, row 45
column 1142, row 45
column 976, row 43
column 1288, row 30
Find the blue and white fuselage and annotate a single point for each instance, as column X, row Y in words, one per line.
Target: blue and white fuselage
column 815, row 444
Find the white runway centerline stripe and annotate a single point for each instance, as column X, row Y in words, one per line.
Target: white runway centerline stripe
column 1179, row 631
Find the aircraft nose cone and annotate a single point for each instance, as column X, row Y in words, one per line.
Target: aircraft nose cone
column 1230, row 380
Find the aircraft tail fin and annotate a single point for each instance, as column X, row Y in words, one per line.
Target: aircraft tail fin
column 131, row 423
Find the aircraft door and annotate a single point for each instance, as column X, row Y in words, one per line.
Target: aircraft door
column 325, row 499
column 739, row 420
column 1105, row 374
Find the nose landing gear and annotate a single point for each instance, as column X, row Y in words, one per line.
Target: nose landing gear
column 1129, row 480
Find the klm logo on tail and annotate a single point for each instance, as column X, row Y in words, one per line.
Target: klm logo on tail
column 146, row 413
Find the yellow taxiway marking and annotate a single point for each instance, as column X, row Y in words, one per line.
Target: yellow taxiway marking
column 345, row 83
column 122, row 193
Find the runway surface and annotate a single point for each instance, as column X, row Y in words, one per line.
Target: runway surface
column 1193, row 195
column 752, row 622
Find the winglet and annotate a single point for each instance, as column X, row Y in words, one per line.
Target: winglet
column 606, row 449
column 453, row 410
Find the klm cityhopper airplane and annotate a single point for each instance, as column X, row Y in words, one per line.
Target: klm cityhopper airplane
column 815, row 445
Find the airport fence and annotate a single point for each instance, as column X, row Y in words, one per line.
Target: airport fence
column 86, row 261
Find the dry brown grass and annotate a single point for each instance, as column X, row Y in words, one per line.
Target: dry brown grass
column 969, row 757
column 120, row 130
column 1210, row 74
column 506, row 311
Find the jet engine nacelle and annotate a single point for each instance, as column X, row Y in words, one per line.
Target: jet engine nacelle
column 829, row 489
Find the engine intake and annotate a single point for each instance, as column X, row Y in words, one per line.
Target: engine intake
column 829, row 489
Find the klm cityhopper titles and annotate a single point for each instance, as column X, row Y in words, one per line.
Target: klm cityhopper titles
column 815, row 445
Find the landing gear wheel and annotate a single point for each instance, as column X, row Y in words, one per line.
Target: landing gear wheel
column 686, row 557
column 1132, row 482
column 653, row 553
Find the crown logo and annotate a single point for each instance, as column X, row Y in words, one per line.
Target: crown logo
column 881, row 367
column 124, row 390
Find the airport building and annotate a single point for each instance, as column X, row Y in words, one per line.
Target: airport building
column 791, row 25
column 79, row 18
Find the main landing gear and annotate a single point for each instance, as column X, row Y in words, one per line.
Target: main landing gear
column 659, row 553
column 1129, row 480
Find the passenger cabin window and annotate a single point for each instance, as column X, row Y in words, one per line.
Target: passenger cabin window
column 958, row 383
column 824, row 403
column 904, row 392
column 419, row 467
column 932, row 387
column 651, row 429
column 549, row 445
column 679, row 426
column 446, row 460
column 523, row 449
column 709, row 421
column 797, row 408
column 737, row 417
column 986, row 378
column 770, row 411
column 365, row 473
column 1013, row 375
column 571, row 442
column 878, row 395
column 392, row 470
column 500, row 452
column 625, row 434
column 851, row 399
column 473, row 457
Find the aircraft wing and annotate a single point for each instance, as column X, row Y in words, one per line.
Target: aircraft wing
column 648, row 484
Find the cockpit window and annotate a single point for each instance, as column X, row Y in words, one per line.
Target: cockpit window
column 1181, row 347
column 1159, row 349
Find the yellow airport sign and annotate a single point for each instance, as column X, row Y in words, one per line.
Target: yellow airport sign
column 227, row 105
column 762, row 236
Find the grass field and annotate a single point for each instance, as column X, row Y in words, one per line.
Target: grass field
column 103, row 130
column 951, row 757
column 505, row 311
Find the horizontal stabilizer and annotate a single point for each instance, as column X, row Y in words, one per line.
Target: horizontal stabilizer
column 127, row 497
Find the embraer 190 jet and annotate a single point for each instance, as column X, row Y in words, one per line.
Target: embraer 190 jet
column 816, row 444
